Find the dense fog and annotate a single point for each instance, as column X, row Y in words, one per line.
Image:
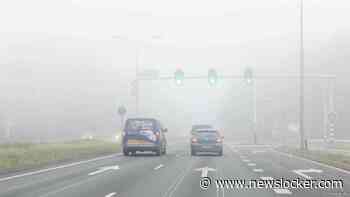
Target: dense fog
column 66, row 67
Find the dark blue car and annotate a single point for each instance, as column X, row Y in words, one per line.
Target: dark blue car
column 206, row 140
column 144, row 134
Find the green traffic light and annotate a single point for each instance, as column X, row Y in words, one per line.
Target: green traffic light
column 179, row 77
column 178, row 82
column 212, row 77
column 248, row 75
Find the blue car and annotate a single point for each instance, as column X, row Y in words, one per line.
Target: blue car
column 144, row 134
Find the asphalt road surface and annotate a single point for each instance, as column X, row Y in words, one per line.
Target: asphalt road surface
column 176, row 174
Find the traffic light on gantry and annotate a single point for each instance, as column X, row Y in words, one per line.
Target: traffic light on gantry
column 212, row 77
column 248, row 75
column 179, row 76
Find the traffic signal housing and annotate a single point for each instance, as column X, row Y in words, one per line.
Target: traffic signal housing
column 212, row 77
column 179, row 76
column 248, row 75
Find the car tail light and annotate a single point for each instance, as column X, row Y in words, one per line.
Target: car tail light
column 194, row 140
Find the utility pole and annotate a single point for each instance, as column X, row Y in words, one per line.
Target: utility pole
column 251, row 80
column 137, row 82
column 139, row 48
column 303, row 141
column 122, row 112
column 254, row 111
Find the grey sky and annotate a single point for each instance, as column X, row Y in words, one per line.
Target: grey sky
column 214, row 21
column 53, row 53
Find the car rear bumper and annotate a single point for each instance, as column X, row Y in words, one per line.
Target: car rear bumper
column 206, row 147
column 147, row 147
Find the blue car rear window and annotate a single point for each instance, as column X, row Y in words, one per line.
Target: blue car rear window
column 140, row 124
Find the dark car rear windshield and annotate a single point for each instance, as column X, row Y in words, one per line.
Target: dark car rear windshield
column 206, row 132
column 140, row 124
column 204, row 126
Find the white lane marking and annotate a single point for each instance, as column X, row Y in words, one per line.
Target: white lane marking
column 158, row 167
column 67, row 187
column 301, row 172
column 251, row 164
column 266, row 178
column 111, row 194
column 104, row 169
column 205, row 171
column 246, row 160
column 313, row 162
column 179, row 180
column 258, row 170
column 282, row 191
column 58, row 167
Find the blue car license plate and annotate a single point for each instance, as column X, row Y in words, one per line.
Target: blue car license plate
column 206, row 146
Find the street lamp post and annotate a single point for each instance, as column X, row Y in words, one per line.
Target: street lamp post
column 303, row 141
column 137, row 82
column 254, row 111
column 137, row 63
column 251, row 80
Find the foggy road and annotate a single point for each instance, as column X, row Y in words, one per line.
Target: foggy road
column 88, row 86
column 176, row 174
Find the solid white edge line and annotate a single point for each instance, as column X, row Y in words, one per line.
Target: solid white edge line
column 314, row 162
column 58, row 167
column 111, row 194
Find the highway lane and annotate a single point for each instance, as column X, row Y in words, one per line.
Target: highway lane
column 76, row 180
column 176, row 174
column 280, row 165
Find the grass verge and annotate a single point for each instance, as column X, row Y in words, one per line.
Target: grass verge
column 332, row 159
column 16, row 157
